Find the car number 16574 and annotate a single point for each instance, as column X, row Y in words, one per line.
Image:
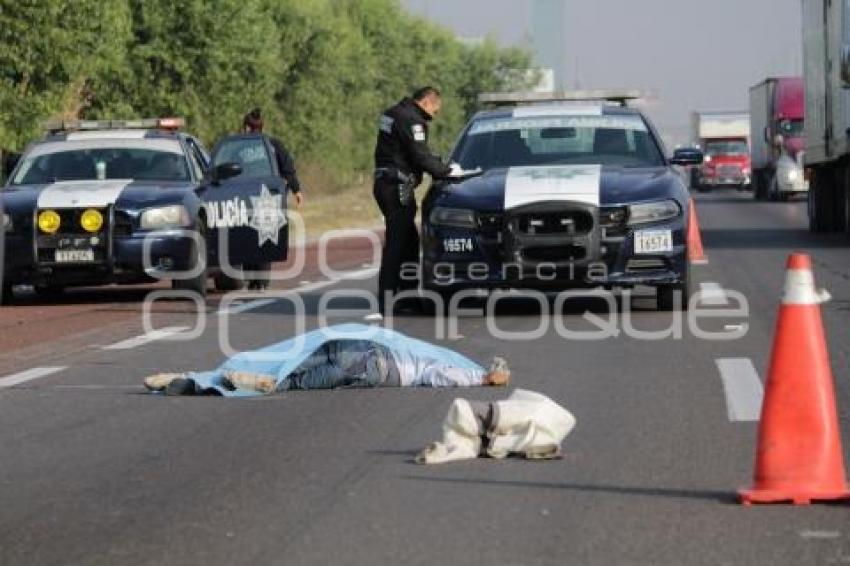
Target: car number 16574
column 457, row 245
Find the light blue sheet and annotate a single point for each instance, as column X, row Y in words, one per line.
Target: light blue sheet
column 283, row 358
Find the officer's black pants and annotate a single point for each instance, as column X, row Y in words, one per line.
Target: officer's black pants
column 401, row 241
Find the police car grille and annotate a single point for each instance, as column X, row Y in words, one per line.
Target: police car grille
column 566, row 222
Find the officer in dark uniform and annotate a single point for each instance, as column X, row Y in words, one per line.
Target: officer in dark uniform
column 401, row 158
column 253, row 123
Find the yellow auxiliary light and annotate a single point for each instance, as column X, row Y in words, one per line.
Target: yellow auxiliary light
column 49, row 221
column 91, row 220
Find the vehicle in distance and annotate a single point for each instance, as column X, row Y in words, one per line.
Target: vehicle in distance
column 136, row 201
column 723, row 137
column 777, row 143
column 571, row 195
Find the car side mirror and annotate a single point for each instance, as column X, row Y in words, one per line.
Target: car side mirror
column 225, row 171
column 687, row 156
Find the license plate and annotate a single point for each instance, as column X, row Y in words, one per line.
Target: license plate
column 457, row 245
column 74, row 256
column 653, row 241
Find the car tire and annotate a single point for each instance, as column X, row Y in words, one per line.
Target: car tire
column 7, row 295
column 262, row 282
column 666, row 295
column 197, row 284
column 224, row 283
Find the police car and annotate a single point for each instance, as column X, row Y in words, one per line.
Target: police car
column 573, row 194
column 99, row 202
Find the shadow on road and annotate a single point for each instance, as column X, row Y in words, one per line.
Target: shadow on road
column 700, row 494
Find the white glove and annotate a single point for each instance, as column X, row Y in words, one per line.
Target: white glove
column 455, row 170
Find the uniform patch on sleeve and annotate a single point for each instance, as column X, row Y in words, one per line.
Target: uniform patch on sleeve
column 419, row 132
column 386, row 124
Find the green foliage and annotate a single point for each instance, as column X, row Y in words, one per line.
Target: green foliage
column 322, row 70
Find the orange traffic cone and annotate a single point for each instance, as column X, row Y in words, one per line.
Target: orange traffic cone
column 696, row 255
column 799, row 456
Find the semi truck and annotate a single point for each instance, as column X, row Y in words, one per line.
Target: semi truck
column 826, row 64
column 777, row 107
column 724, row 139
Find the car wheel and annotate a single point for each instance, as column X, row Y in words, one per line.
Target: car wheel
column 197, row 284
column 6, row 295
column 669, row 297
column 225, row 283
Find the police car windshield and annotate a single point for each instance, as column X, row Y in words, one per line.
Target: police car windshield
column 619, row 140
column 50, row 165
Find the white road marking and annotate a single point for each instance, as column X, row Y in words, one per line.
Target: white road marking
column 713, row 294
column 822, row 535
column 158, row 334
column 699, row 262
column 744, row 390
column 34, row 373
column 244, row 307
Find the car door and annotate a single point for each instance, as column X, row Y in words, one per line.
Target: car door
column 250, row 206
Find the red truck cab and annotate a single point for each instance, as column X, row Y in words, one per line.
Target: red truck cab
column 727, row 163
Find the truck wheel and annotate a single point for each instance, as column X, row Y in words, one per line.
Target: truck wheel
column 773, row 193
column 196, row 284
column 224, row 283
column 6, row 294
column 668, row 296
column 815, row 204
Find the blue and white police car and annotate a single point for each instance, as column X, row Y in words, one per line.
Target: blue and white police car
column 572, row 194
column 101, row 202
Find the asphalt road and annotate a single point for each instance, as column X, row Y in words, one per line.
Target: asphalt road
column 94, row 471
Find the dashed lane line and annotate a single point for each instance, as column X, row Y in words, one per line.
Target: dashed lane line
column 743, row 388
column 28, row 375
column 153, row 336
column 712, row 294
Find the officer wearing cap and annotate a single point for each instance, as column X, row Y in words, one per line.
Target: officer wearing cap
column 401, row 158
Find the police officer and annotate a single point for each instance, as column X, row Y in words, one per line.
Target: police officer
column 252, row 123
column 401, row 158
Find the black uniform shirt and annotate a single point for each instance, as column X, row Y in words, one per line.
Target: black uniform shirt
column 285, row 165
column 403, row 142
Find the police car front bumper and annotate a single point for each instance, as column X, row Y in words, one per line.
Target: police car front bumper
column 135, row 258
column 609, row 256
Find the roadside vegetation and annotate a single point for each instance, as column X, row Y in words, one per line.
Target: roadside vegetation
column 321, row 70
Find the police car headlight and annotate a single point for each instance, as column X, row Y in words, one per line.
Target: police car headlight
column 175, row 216
column 456, row 217
column 7, row 222
column 792, row 175
column 653, row 211
column 49, row 221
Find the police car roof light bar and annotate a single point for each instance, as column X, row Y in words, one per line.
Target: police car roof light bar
column 57, row 126
column 618, row 97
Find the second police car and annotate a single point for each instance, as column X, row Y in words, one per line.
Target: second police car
column 98, row 202
column 571, row 195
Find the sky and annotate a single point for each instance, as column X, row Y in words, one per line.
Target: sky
column 693, row 54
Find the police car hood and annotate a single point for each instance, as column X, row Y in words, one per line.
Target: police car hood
column 121, row 193
column 506, row 188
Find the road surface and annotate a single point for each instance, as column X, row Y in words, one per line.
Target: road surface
column 95, row 471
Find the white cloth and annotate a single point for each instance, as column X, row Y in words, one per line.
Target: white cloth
column 419, row 371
